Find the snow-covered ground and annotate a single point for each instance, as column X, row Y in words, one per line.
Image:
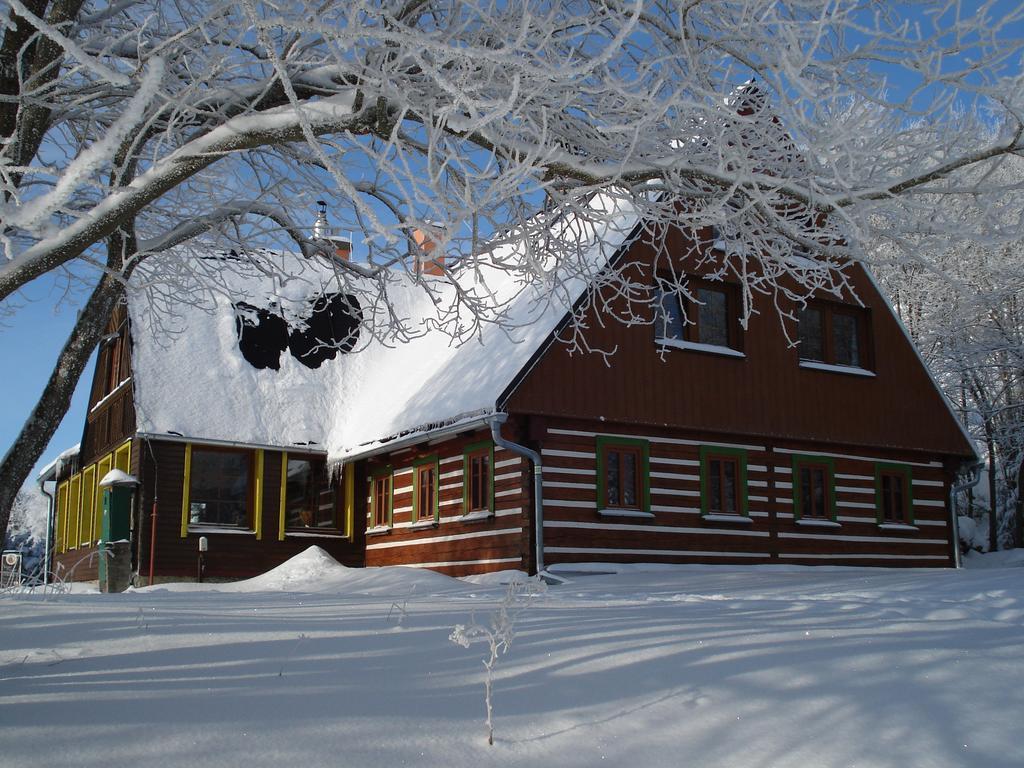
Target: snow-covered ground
column 316, row 665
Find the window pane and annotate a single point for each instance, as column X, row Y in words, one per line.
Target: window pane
column 629, row 480
column 219, row 488
column 844, row 340
column 479, row 475
column 818, row 480
column 381, row 494
column 729, row 487
column 715, row 485
column 425, row 501
column 892, row 498
column 668, row 323
column 309, row 500
column 897, row 499
column 713, row 317
column 811, row 342
column 612, row 486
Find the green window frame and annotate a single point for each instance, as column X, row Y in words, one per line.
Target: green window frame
column 904, row 473
column 421, row 467
column 382, row 474
column 710, row 453
column 810, row 462
column 470, row 452
column 641, row 448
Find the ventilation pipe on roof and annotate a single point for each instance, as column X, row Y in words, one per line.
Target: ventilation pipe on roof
column 320, row 225
column 974, row 469
column 538, row 486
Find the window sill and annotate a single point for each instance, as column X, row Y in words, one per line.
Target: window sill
column 897, row 527
column 315, row 534
column 220, row 529
column 850, row 370
column 813, row 523
column 480, row 514
column 726, row 518
column 626, row 513
column 422, row 525
column 694, row 346
column 377, row 530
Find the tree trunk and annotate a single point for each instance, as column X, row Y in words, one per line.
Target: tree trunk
column 56, row 398
column 1018, row 518
column 993, row 515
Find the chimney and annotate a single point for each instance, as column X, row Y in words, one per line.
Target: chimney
column 342, row 247
column 427, row 240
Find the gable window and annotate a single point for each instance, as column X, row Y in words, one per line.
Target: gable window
column 478, row 478
column 308, row 496
column 220, row 487
column 709, row 318
column 813, row 488
column 833, row 335
column 425, row 490
column 381, row 499
column 893, row 494
column 622, row 474
column 723, row 475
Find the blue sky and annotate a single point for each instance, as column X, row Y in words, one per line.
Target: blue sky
column 31, row 340
column 30, row 343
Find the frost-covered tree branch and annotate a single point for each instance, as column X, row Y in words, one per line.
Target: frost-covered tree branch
column 798, row 127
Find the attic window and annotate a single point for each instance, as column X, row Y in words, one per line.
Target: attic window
column 710, row 319
column 329, row 327
column 834, row 335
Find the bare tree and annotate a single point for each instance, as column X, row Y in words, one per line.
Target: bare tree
column 146, row 122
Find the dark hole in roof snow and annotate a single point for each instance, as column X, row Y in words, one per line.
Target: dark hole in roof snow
column 262, row 335
column 330, row 327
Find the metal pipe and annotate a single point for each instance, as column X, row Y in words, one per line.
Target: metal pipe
column 50, row 504
column 152, row 538
column 538, row 485
column 975, row 470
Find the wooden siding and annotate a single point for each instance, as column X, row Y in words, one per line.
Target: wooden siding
column 765, row 393
column 232, row 553
column 575, row 531
column 455, row 545
column 111, row 416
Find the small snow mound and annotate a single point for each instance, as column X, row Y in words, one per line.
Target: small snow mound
column 305, row 572
column 117, row 477
column 1007, row 558
column 498, row 578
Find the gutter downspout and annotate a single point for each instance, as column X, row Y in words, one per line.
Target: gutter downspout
column 50, row 504
column 975, row 475
column 538, row 485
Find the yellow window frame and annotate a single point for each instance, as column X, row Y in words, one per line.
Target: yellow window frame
column 61, row 526
column 74, row 510
column 102, row 468
column 87, row 530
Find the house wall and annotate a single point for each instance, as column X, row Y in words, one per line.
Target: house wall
column 453, row 544
column 678, row 532
column 111, row 416
column 79, row 513
column 233, row 553
column 766, row 392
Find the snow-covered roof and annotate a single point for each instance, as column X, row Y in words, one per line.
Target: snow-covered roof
column 50, row 471
column 193, row 380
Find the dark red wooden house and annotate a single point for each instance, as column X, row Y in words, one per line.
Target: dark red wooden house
column 701, row 442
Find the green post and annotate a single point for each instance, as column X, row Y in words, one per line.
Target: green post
column 115, row 549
